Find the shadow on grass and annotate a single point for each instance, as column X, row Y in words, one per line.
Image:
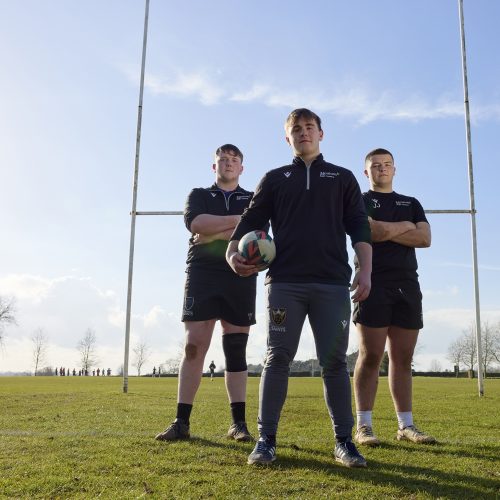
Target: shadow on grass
column 199, row 441
column 449, row 450
column 406, row 478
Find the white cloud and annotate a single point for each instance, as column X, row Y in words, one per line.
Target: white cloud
column 256, row 92
column 194, row 85
column 361, row 104
column 154, row 316
column 24, row 286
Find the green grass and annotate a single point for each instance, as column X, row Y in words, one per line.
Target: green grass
column 83, row 438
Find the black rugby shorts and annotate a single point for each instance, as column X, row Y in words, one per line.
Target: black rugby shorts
column 219, row 295
column 390, row 307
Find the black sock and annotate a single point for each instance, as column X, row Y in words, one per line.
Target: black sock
column 184, row 412
column 238, row 412
column 271, row 439
column 342, row 439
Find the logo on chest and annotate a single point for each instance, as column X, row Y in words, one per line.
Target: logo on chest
column 328, row 175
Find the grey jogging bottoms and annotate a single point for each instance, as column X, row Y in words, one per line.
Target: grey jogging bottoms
column 328, row 308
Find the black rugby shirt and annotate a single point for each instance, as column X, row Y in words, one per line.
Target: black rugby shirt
column 212, row 201
column 393, row 264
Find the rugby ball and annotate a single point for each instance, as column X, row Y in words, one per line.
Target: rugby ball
column 258, row 248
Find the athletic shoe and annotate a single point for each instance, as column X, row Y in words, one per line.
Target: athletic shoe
column 176, row 430
column 347, row 454
column 365, row 435
column 411, row 433
column 239, row 432
column 263, row 453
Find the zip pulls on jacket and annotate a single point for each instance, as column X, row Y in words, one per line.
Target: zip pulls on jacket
column 227, row 195
column 308, row 176
column 297, row 160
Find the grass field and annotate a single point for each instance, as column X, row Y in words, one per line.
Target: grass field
column 78, row 437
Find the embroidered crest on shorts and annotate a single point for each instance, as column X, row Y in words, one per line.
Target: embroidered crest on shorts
column 278, row 315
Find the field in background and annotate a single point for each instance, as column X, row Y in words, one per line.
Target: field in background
column 74, row 437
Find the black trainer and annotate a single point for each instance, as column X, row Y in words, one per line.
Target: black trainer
column 347, row 454
column 239, row 432
column 263, row 453
column 176, row 430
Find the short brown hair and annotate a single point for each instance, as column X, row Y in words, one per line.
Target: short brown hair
column 299, row 113
column 229, row 148
column 378, row 151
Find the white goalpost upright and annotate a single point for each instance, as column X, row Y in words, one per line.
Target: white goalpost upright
column 471, row 210
column 134, row 202
column 472, row 201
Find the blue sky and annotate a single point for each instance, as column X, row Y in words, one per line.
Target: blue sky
column 380, row 74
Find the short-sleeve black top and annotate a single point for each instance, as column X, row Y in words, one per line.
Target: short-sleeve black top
column 212, row 200
column 393, row 264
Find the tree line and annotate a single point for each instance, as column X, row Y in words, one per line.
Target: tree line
column 462, row 352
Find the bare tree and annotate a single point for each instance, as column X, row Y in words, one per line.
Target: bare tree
column 142, row 353
column 469, row 346
column 7, row 314
column 172, row 365
column 496, row 342
column 87, row 349
column 456, row 352
column 490, row 343
column 40, row 345
column 435, row 366
column 464, row 349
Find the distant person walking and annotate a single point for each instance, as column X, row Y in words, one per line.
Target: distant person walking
column 212, row 370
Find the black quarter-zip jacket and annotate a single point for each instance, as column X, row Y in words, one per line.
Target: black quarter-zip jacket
column 211, row 256
column 311, row 209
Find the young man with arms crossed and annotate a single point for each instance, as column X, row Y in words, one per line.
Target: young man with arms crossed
column 311, row 204
column 213, row 292
column 393, row 311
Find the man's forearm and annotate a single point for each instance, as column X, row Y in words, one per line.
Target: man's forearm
column 363, row 252
column 208, row 224
column 385, row 231
column 416, row 238
column 201, row 239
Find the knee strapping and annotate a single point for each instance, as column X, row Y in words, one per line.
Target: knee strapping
column 234, row 346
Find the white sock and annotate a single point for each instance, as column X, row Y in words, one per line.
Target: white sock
column 363, row 418
column 405, row 418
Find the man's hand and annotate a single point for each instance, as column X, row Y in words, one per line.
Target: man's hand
column 238, row 263
column 361, row 286
column 362, row 282
column 202, row 239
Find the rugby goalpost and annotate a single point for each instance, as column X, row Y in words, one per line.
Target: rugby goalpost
column 471, row 211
